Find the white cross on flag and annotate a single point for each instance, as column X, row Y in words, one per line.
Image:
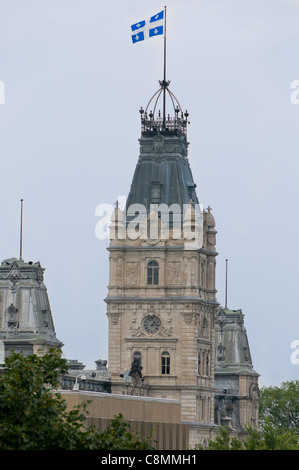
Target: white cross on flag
column 148, row 28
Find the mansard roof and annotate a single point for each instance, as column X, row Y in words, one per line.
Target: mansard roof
column 163, row 174
column 25, row 313
column 232, row 352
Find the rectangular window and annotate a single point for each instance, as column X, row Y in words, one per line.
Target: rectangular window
column 153, row 276
column 153, row 273
column 165, row 365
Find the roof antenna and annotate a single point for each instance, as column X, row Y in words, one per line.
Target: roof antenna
column 226, row 261
column 21, row 231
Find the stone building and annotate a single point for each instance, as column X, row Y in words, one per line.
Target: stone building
column 26, row 322
column 161, row 303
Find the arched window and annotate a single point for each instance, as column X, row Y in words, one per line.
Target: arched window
column 207, row 364
column 153, row 273
column 165, row 363
column 137, row 356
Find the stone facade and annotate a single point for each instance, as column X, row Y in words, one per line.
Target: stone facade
column 177, row 354
column 161, row 303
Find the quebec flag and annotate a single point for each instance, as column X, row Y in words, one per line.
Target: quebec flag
column 149, row 28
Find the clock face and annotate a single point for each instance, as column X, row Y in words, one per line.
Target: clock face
column 151, row 324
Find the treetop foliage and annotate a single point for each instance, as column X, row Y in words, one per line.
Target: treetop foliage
column 32, row 417
column 279, row 428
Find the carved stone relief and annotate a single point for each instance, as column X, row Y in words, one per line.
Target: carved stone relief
column 159, row 144
column 132, row 273
column 12, row 322
column 220, row 355
column 188, row 315
column 113, row 316
column 203, row 326
column 15, row 273
column 174, row 272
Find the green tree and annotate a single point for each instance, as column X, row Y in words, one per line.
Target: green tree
column 34, row 416
column 223, row 441
column 118, row 437
column 280, row 405
column 268, row 438
column 279, row 414
column 271, row 438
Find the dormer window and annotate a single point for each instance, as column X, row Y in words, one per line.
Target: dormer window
column 155, row 192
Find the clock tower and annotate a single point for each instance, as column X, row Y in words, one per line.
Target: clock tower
column 161, row 301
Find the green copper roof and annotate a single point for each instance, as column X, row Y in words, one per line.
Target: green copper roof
column 163, row 174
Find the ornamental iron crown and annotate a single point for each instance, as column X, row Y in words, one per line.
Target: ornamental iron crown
column 152, row 123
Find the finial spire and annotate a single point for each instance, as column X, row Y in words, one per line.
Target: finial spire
column 165, row 84
column 163, row 123
column 21, row 232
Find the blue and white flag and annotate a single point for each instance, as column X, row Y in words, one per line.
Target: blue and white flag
column 148, row 28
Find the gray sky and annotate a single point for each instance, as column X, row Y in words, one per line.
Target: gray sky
column 69, row 133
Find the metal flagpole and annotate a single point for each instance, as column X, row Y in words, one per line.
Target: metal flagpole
column 164, row 79
column 226, row 284
column 21, row 231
